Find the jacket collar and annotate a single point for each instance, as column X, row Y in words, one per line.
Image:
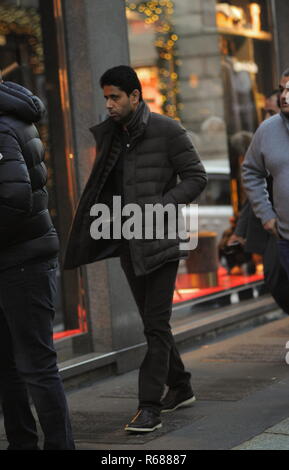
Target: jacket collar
column 100, row 130
column 136, row 126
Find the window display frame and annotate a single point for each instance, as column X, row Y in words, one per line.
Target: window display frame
column 41, row 32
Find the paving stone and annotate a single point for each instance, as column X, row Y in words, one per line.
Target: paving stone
column 259, row 352
column 266, row 441
column 278, row 333
column 109, row 427
column 230, row 389
column 241, row 384
column 205, row 387
column 281, row 428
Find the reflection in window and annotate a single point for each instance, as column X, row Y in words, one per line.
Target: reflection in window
column 153, row 51
column 217, row 192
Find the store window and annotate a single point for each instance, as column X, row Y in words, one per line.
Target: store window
column 22, row 61
column 28, row 34
column 246, row 45
column 205, row 64
column 153, row 53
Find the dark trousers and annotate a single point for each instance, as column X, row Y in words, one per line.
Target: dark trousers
column 275, row 272
column 283, row 246
column 162, row 364
column 28, row 358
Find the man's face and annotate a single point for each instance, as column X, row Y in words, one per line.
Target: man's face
column 284, row 95
column 118, row 104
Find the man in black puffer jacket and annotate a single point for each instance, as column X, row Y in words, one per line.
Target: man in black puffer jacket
column 140, row 155
column 28, row 262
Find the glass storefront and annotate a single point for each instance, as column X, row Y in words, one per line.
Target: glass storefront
column 207, row 66
column 29, row 30
column 202, row 63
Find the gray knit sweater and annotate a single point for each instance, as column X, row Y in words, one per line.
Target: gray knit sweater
column 269, row 154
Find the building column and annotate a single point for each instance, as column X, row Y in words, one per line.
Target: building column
column 96, row 39
column 281, row 15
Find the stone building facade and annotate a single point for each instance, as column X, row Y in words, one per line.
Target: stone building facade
column 81, row 39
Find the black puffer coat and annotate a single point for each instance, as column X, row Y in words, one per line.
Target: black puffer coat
column 26, row 229
column 160, row 149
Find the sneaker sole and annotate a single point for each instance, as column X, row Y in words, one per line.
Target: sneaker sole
column 183, row 404
column 131, row 428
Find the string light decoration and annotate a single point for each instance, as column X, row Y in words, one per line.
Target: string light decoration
column 159, row 14
column 20, row 21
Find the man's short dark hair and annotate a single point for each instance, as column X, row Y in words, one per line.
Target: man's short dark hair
column 124, row 77
column 286, row 73
column 272, row 93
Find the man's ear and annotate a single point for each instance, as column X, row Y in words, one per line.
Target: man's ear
column 135, row 96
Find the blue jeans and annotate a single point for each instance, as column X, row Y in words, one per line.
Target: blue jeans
column 28, row 359
column 283, row 246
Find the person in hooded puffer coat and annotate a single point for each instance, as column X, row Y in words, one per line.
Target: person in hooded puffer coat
column 28, row 261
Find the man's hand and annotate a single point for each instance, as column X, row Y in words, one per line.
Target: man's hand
column 235, row 239
column 271, row 227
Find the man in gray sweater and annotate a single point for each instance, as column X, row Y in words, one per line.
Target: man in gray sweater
column 267, row 155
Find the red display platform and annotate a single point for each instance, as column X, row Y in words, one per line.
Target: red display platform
column 184, row 291
column 81, row 313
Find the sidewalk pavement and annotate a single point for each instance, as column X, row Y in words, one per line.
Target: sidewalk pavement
column 273, row 438
column 241, row 381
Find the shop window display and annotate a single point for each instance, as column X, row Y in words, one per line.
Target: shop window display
column 245, row 46
column 153, row 48
column 22, row 60
column 158, row 38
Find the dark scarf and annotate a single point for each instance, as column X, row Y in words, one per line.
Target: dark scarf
column 136, row 127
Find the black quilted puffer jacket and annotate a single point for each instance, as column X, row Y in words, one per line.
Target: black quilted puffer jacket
column 160, row 150
column 26, row 229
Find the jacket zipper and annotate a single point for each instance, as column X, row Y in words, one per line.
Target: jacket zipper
column 128, row 145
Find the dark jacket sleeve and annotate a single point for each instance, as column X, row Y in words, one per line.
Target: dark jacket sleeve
column 254, row 174
column 242, row 224
column 15, row 185
column 185, row 161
